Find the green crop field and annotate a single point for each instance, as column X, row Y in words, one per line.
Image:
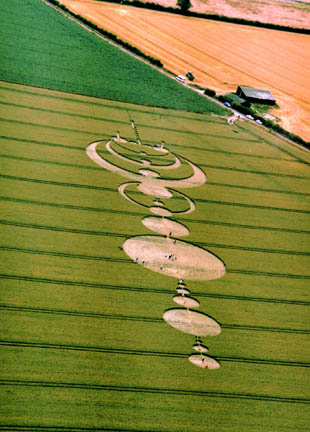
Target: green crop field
column 43, row 48
column 84, row 346
column 84, row 342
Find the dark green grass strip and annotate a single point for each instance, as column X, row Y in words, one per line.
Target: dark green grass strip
column 102, row 188
column 130, row 108
column 119, row 235
column 93, row 167
column 131, row 288
column 143, row 319
column 144, row 353
column 127, row 213
column 96, row 168
column 155, row 390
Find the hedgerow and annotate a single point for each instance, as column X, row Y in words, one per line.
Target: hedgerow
column 210, row 92
column 109, row 35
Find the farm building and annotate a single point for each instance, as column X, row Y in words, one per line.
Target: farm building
column 255, row 95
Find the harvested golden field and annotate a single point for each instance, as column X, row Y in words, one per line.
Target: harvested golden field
column 221, row 55
column 281, row 12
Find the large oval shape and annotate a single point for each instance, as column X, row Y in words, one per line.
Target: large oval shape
column 174, row 258
column 204, row 361
column 192, row 322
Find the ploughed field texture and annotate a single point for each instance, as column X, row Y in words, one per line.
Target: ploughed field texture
column 84, row 345
column 221, row 55
column 293, row 13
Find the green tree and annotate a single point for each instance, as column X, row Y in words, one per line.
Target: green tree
column 185, row 5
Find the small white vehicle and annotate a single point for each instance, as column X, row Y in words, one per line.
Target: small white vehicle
column 258, row 121
column 249, row 117
column 181, row 78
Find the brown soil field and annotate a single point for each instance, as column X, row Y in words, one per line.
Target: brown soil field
column 220, row 55
column 282, row 12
